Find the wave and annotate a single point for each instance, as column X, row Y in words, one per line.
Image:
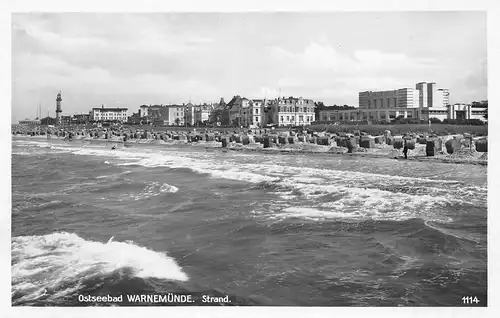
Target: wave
column 63, row 261
column 153, row 189
column 333, row 191
column 22, row 153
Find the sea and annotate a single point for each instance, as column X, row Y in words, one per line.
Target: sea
column 249, row 229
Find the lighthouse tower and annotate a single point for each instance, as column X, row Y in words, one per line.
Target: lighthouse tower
column 58, row 108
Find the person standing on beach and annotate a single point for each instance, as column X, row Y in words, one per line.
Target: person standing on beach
column 405, row 150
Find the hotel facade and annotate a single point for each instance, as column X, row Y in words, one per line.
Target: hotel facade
column 293, row 111
column 109, row 113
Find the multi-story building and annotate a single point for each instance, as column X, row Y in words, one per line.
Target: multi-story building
column 400, row 98
column 143, row 111
column 189, row 113
column 174, row 115
column 202, row 113
column 240, row 111
column 81, row 118
column 259, row 114
column 291, row 111
column 387, row 105
column 429, row 96
column 445, row 94
column 109, row 114
column 423, row 94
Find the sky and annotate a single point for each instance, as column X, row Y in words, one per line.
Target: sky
column 132, row 59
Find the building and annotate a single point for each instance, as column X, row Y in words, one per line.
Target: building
column 291, row 111
column 202, row 113
column 239, row 111
column 135, row 119
column 445, row 94
column 259, row 114
column 457, row 111
column 143, row 111
column 388, row 105
column 359, row 114
column 429, row 96
column 174, row 115
column 400, row 98
column 423, row 96
column 30, row 122
column 81, row 118
column 66, row 120
column 189, row 113
column 109, row 114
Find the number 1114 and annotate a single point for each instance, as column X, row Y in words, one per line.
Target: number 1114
column 470, row 300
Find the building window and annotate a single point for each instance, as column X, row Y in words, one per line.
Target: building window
column 256, row 110
column 293, row 118
column 301, row 118
column 281, row 118
column 287, row 118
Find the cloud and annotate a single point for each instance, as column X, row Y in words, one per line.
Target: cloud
column 159, row 58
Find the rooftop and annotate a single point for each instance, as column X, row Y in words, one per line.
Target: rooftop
column 109, row 108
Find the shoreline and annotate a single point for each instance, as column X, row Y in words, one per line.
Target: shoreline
column 380, row 151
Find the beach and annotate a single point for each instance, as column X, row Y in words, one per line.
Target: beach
column 291, row 142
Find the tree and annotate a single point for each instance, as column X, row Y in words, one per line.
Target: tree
column 319, row 105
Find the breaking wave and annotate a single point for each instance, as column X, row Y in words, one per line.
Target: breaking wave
column 63, row 262
column 323, row 193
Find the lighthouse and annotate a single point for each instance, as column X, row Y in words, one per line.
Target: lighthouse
column 58, row 109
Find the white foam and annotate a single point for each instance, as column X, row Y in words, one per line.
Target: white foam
column 308, row 212
column 21, row 153
column 153, row 189
column 60, row 261
column 370, row 193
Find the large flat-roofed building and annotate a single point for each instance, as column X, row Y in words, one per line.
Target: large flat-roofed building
column 109, row 114
column 457, row 111
column 404, row 98
column 390, row 104
column 359, row 114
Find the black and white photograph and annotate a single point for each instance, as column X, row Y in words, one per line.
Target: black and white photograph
column 258, row 158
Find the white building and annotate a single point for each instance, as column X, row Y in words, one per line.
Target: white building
column 258, row 114
column 111, row 114
column 458, row 111
column 291, row 111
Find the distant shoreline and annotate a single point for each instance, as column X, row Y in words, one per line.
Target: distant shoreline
column 380, row 151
